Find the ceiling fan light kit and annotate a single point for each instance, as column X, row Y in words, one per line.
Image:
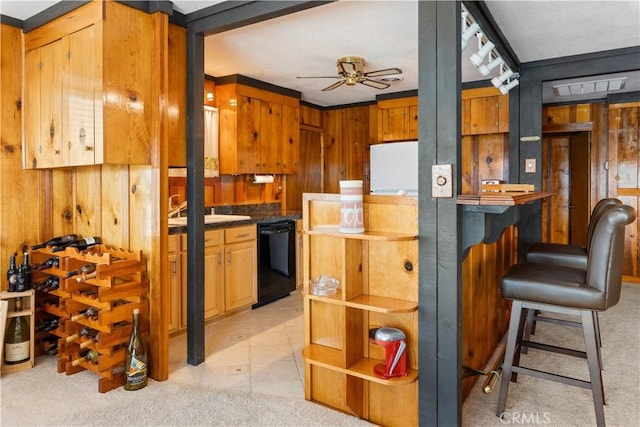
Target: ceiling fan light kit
column 351, row 72
column 506, row 79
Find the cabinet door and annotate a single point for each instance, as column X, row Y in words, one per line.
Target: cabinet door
column 213, row 282
column 43, row 95
column 82, row 74
column 412, row 122
column 240, row 275
column 392, row 122
column 290, row 148
column 248, row 148
column 270, row 137
column 484, row 115
column 175, row 284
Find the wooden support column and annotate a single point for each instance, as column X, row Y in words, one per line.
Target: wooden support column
column 440, row 253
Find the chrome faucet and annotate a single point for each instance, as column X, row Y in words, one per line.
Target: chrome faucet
column 174, row 210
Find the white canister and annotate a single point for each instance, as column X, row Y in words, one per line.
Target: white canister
column 351, row 211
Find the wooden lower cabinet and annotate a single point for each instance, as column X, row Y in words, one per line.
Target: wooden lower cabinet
column 378, row 273
column 230, row 273
column 241, row 267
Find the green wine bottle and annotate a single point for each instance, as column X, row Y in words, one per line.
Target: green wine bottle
column 135, row 367
column 17, row 341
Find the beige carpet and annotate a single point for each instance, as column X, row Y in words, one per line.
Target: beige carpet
column 536, row 401
column 42, row 397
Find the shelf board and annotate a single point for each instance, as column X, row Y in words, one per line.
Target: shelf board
column 334, row 231
column 331, row 359
column 22, row 313
column 368, row 302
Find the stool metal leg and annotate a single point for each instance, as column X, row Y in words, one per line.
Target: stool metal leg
column 530, row 329
column 595, row 373
column 512, row 340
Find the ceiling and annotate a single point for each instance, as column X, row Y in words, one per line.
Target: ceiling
column 385, row 33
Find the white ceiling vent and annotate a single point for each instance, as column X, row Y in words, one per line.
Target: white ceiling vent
column 583, row 88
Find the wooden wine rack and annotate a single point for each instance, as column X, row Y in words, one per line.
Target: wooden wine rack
column 118, row 286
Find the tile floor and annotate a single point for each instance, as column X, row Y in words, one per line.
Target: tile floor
column 257, row 350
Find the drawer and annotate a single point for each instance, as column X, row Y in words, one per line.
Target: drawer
column 211, row 238
column 240, row 234
column 174, row 243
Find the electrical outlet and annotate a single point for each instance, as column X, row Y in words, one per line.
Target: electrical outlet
column 530, row 165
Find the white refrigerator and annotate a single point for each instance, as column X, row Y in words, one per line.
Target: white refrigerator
column 394, row 168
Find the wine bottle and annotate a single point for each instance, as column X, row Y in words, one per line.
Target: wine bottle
column 90, row 355
column 135, row 367
column 80, row 244
column 57, row 241
column 17, row 341
column 84, row 332
column 84, row 277
column 50, row 284
column 90, row 340
column 51, row 348
column 49, row 263
column 48, row 324
column 91, row 313
column 12, row 275
column 24, row 274
column 85, row 269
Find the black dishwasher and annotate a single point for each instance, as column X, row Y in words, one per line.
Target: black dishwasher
column 276, row 261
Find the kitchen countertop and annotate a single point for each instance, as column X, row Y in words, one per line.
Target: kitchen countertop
column 256, row 218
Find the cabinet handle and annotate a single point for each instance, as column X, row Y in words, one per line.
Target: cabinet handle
column 52, row 129
column 220, row 258
column 81, row 135
column 243, row 235
column 88, row 148
column 229, row 257
column 174, row 263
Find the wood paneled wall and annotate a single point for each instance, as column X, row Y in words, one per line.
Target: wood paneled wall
column 21, row 208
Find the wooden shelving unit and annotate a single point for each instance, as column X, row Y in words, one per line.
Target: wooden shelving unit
column 28, row 310
column 118, row 286
column 378, row 273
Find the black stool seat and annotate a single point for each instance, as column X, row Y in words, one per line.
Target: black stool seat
column 567, row 290
column 556, row 285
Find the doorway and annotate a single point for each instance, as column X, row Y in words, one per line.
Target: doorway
column 565, row 172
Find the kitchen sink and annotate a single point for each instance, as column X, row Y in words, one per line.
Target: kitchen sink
column 209, row 219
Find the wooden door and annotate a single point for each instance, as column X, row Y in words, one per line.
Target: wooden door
column 80, row 114
column 392, row 122
column 624, row 175
column 333, row 167
column 579, row 188
column 484, row 115
column 31, row 107
column 566, row 173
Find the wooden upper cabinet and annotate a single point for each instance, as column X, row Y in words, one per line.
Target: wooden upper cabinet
column 484, row 111
column 398, row 119
column 259, row 131
column 88, row 91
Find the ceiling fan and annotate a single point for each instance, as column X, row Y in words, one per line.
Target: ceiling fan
column 351, row 72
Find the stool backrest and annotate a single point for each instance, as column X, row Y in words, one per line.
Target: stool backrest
column 604, row 266
column 601, row 207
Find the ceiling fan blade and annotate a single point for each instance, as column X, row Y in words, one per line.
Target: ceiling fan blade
column 385, row 72
column 374, row 83
column 333, row 86
column 319, row 77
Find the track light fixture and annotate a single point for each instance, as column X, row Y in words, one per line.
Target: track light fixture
column 497, row 81
column 469, row 33
column 504, row 89
column 485, row 69
column 478, row 58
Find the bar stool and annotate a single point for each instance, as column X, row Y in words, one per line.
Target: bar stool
column 568, row 255
column 567, row 290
